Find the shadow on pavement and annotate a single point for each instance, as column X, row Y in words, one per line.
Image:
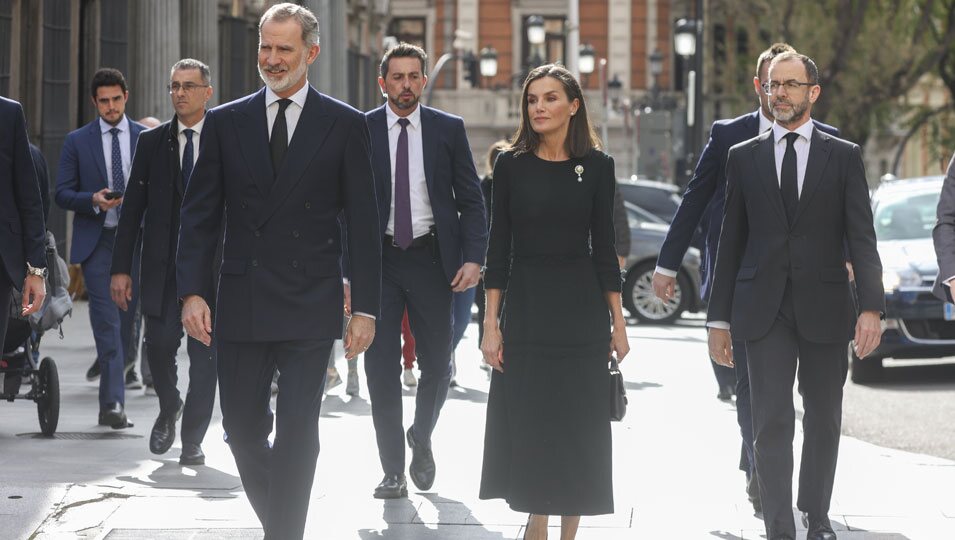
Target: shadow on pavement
column 467, row 394
column 335, row 407
column 452, row 517
column 203, row 480
column 640, row 385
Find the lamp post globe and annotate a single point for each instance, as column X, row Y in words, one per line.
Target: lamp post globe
column 684, row 38
column 536, row 34
column 586, row 60
column 488, row 58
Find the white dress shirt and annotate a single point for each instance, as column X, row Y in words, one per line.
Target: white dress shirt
column 421, row 216
column 765, row 124
column 197, row 128
column 801, row 145
column 112, row 215
column 292, row 112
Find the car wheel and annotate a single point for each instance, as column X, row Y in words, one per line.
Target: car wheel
column 864, row 370
column 640, row 301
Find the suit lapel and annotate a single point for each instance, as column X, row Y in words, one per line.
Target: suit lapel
column 766, row 161
column 378, row 126
column 96, row 147
column 253, row 128
column 429, row 143
column 172, row 149
column 815, row 166
column 312, row 128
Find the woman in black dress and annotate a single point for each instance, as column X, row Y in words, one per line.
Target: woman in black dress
column 547, row 448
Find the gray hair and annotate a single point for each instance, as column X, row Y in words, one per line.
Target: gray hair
column 192, row 63
column 302, row 15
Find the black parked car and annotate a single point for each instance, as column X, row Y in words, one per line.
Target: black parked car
column 659, row 198
column 917, row 324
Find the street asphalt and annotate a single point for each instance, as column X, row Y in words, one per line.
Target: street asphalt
column 675, row 463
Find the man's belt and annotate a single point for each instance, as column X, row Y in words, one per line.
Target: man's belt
column 419, row 242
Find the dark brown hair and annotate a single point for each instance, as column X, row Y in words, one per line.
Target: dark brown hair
column 496, row 148
column 773, row 51
column 581, row 137
column 812, row 73
column 403, row 50
column 107, row 77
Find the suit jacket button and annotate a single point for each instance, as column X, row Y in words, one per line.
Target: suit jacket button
column 258, row 233
column 244, row 204
column 255, row 262
column 308, row 205
column 294, row 264
column 295, row 234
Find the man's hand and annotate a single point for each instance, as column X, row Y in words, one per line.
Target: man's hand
column 99, row 199
column 347, row 290
column 359, row 335
column 663, row 286
column 721, row 346
column 467, row 277
column 34, row 291
column 852, row 275
column 197, row 319
column 121, row 290
column 621, row 262
column 868, row 333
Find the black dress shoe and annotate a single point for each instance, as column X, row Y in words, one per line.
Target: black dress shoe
column 392, row 486
column 132, row 380
column 819, row 528
column 164, row 431
column 93, row 372
column 422, row 463
column 192, row 455
column 752, row 493
column 114, row 416
column 726, row 393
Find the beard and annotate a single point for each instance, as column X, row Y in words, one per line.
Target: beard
column 795, row 113
column 404, row 105
column 291, row 77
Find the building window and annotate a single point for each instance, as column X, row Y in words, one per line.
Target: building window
column 409, row 30
column 553, row 47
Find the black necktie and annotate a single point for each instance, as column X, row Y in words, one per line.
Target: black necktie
column 188, row 157
column 787, row 178
column 278, row 142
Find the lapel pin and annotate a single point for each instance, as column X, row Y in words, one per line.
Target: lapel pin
column 579, row 169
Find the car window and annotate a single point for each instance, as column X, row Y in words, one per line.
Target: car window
column 637, row 215
column 660, row 202
column 909, row 216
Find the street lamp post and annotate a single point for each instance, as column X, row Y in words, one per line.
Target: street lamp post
column 536, row 36
column 685, row 45
column 488, row 58
column 585, row 61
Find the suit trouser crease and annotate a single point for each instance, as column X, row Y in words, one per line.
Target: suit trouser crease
column 744, row 409
column 278, row 478
column 415, row 279
column 773, row 369
column 163, row 337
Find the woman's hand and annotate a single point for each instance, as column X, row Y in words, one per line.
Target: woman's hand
column 619, row 343
column 493, row 347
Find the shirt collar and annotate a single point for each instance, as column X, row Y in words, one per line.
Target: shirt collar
column 805, row 131
column 414, row 117
column 298, row 97
column 197, row 128
column 764, row 123
column 123, row 125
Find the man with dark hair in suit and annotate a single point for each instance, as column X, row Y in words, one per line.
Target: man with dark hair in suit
column 943, row 236
column 22, row 232
column 94, row 168
column 703, row 205
column 161, row 170
column 434, row 237
column 797, row 202
column 280, row 165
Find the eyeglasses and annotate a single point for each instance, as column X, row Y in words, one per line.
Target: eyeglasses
column 791, row 86
column 188, row 87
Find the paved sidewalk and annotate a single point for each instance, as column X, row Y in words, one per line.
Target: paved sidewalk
column 675, row 460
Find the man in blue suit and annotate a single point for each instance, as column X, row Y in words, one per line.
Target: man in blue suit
column 22, row 234
column 703, row 204
column 280, row 166
column 94, row 168
column 434, row 237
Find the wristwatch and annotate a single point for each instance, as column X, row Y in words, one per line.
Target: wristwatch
column 34, row 271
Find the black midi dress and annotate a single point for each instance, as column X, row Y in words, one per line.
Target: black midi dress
column 547, row 446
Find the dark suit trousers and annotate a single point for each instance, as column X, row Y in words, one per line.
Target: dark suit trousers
column 744, row 408
column 412, row 278
column 163, row 336
column 821, row 372
column 6, row 289
column 277, row 478
column 107, row 320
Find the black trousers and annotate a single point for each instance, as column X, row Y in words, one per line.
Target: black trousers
column 163, row 336
column 821, row 371
column 412, row 278
column 6, row 289
column 277, row 478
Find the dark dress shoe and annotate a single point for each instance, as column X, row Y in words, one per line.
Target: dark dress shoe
column 192, row 455
column 819, row 528
column 164, row 431
column 392, row 486
column 114, row 416
column 93, row 372
column 752, row 493
column 422, row 463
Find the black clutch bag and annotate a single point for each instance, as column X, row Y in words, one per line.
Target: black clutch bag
column 618, row 392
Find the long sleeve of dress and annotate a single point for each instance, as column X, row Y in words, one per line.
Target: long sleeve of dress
column 499, row 243
column 602, row 231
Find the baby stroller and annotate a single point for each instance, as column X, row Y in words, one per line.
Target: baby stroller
column 20, row 363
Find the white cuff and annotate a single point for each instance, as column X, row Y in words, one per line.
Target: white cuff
column 720, row 325
column 665, row 271
column 372, row 317
column 948, row 281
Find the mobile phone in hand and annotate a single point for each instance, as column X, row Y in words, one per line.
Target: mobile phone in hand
column 110, row 195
